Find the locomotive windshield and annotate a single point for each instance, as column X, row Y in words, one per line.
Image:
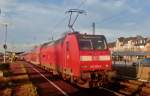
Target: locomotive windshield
column 85, row 44
column 91, row 42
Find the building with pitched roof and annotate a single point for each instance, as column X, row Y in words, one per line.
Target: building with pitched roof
column 130, row 44
column 135, row 45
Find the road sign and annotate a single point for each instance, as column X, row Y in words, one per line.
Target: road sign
column 5, row 46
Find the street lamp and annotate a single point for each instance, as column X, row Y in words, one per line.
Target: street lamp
column 5, row 39
column 5, row 42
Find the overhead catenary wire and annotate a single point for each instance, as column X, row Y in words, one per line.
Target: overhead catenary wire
column 62, row 20
column 104, row 20
column 82, row 3
column 72, row 21
column 55, row 26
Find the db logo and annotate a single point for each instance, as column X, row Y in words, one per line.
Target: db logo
column 95, row 58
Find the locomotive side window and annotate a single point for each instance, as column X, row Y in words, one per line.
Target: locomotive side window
column 67, row 46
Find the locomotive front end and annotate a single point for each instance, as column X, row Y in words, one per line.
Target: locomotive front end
column 95, row 60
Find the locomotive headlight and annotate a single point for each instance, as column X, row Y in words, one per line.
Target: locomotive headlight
column 104, row 58
column 85, row 58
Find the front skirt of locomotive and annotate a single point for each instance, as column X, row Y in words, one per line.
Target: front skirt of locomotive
column 91, row 79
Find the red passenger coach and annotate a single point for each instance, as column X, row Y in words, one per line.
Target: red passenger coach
column 83, row 59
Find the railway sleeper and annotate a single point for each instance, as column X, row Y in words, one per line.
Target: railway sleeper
column 114, row 92
column 145, row 91
column 139, row 83
column 125, row 92
column 135, row 87
column 147, row 85
column 128, row 91
column 128, row 88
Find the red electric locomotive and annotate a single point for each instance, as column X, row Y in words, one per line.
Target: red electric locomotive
column 83, row 59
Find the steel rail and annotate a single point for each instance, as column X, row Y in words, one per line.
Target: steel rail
column 57, row 87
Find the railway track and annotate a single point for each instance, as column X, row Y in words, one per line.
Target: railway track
column 48, row 86
column 134, row 87
column 62, row 88
column 40, row 79
column 130, row 88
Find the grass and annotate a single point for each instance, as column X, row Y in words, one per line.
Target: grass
column 26, row 90
column 7, row 92
column 15, row 85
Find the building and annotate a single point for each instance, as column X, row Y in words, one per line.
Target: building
column 133, row 45
column 1, row 57
column 111, row 46
column 130, row 44
column 147, row 47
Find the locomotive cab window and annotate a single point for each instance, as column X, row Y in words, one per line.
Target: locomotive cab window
column 92, row 43
column 99, row 44
column 85, row 44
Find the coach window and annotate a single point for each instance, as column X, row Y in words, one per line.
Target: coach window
column 67, row 46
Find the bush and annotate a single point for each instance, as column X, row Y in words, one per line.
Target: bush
column 4, row 66
column 26, row 90
column 7, row 73
column 7, row 92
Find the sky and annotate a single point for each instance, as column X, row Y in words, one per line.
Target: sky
column 32, row 22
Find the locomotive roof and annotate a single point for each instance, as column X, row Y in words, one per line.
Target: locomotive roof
column 90, row 36
column 75, row 33
column 46, row 43
column 52, row 42
column 85, row 34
